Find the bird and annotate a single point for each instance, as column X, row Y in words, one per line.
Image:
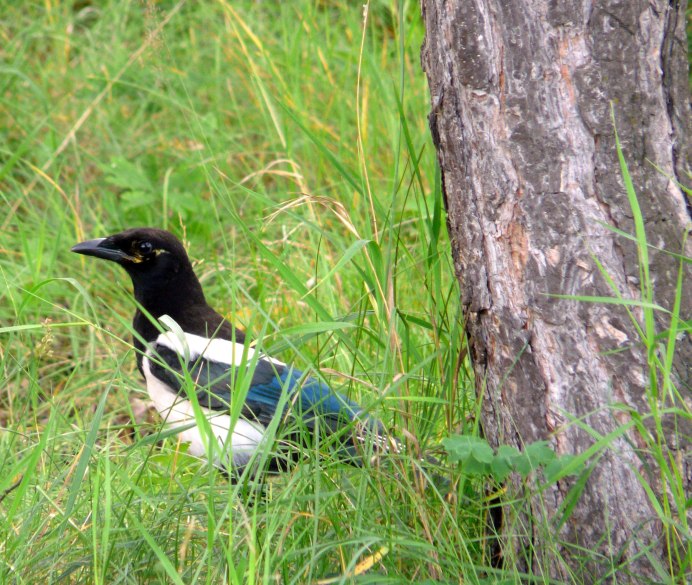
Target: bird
column 187, row 351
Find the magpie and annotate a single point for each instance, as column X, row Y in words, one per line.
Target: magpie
column 203, row 350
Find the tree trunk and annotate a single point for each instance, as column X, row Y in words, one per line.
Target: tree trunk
column 521, row 118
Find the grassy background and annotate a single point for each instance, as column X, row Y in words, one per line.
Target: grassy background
column 287, row 143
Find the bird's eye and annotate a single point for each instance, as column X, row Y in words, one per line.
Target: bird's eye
column 145, row 248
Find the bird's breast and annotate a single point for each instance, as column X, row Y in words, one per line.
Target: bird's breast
column 226, row 443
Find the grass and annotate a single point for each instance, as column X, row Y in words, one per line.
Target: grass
column 289, row 147
column 287, row 143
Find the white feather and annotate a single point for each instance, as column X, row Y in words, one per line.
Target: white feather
column 235, row 445
column 221, row 351
column 216, row 350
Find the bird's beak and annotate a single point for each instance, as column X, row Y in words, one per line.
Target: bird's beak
column 101, row 248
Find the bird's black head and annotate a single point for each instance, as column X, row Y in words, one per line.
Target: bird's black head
column 156, row 262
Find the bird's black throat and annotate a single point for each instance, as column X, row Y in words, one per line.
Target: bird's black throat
column 167, row 292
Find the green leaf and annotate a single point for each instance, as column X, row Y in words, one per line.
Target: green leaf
column 508, row 452
column 522, row 465
column 459, row 447
column 534, row 456
column 500, row 470
column 540, row 453
column 478, row 468
column 181, row 201
column 483, row 452
column 136, row 199
column 562, row 467
column 504, row 461
column 127, row 175
column 475, row 453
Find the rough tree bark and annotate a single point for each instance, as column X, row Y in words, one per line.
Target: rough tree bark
column 521, row 94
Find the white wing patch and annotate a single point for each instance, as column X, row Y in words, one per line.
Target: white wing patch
column 217, row 350
column 235, row 445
